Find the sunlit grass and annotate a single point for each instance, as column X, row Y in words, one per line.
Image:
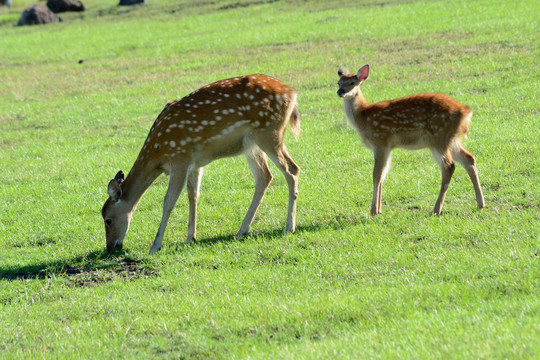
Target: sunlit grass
column 403, row 285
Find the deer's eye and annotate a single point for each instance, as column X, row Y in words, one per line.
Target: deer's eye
column 108, row 222
column 352, row 82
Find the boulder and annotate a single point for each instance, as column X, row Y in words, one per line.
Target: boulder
column 38, row 14
column 58, row 6
column 132, row 2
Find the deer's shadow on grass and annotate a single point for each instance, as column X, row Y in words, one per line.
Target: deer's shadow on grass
column 100, row 266
column 84, row 270
column 338, row 222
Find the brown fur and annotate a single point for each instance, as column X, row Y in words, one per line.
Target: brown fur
column 247, row 114
column 434, row 121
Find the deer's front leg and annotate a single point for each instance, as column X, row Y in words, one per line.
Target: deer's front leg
column 380, row 169
column 177, row 182
column 259, row 166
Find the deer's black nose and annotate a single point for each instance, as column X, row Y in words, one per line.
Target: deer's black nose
column 340, row 92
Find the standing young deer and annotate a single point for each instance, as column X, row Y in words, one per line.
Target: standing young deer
column 433, row 121
column 247, row 114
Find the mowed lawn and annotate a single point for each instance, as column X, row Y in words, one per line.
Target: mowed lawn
column 78, row 98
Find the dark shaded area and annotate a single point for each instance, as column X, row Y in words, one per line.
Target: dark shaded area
column 131, row 2
column 38, row 14
column 98, row 267
column 95, row 268
column 246, row 4
column 58, row 6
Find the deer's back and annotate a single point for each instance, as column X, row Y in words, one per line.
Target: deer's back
column 415, row 121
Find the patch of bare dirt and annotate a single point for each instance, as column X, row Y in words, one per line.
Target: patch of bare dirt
column 88, row 275
column 125, row 271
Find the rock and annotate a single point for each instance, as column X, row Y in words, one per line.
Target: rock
column 38, row 14
column 58, row 6
column 132, row 2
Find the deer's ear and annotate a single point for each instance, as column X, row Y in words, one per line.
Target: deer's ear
column 340, row 71
column 363, row 73
column 119, row 177
column 114, row 190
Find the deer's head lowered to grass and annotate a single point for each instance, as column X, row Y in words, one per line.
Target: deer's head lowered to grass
column 247, row 114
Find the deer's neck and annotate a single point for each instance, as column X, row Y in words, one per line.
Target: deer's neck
column 354, row 104
column 139, row 179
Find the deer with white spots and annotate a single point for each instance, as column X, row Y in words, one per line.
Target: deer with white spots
column 434, row 121
column 247, row 114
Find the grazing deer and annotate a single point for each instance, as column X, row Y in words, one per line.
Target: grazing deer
column 247, row 114
column 433, row 121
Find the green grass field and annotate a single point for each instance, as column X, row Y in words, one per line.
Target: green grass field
column 463, row 285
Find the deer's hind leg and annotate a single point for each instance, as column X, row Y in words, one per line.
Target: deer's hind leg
column 193, row 186
column 277, row 152
column 468, row 161
column 446, row 163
